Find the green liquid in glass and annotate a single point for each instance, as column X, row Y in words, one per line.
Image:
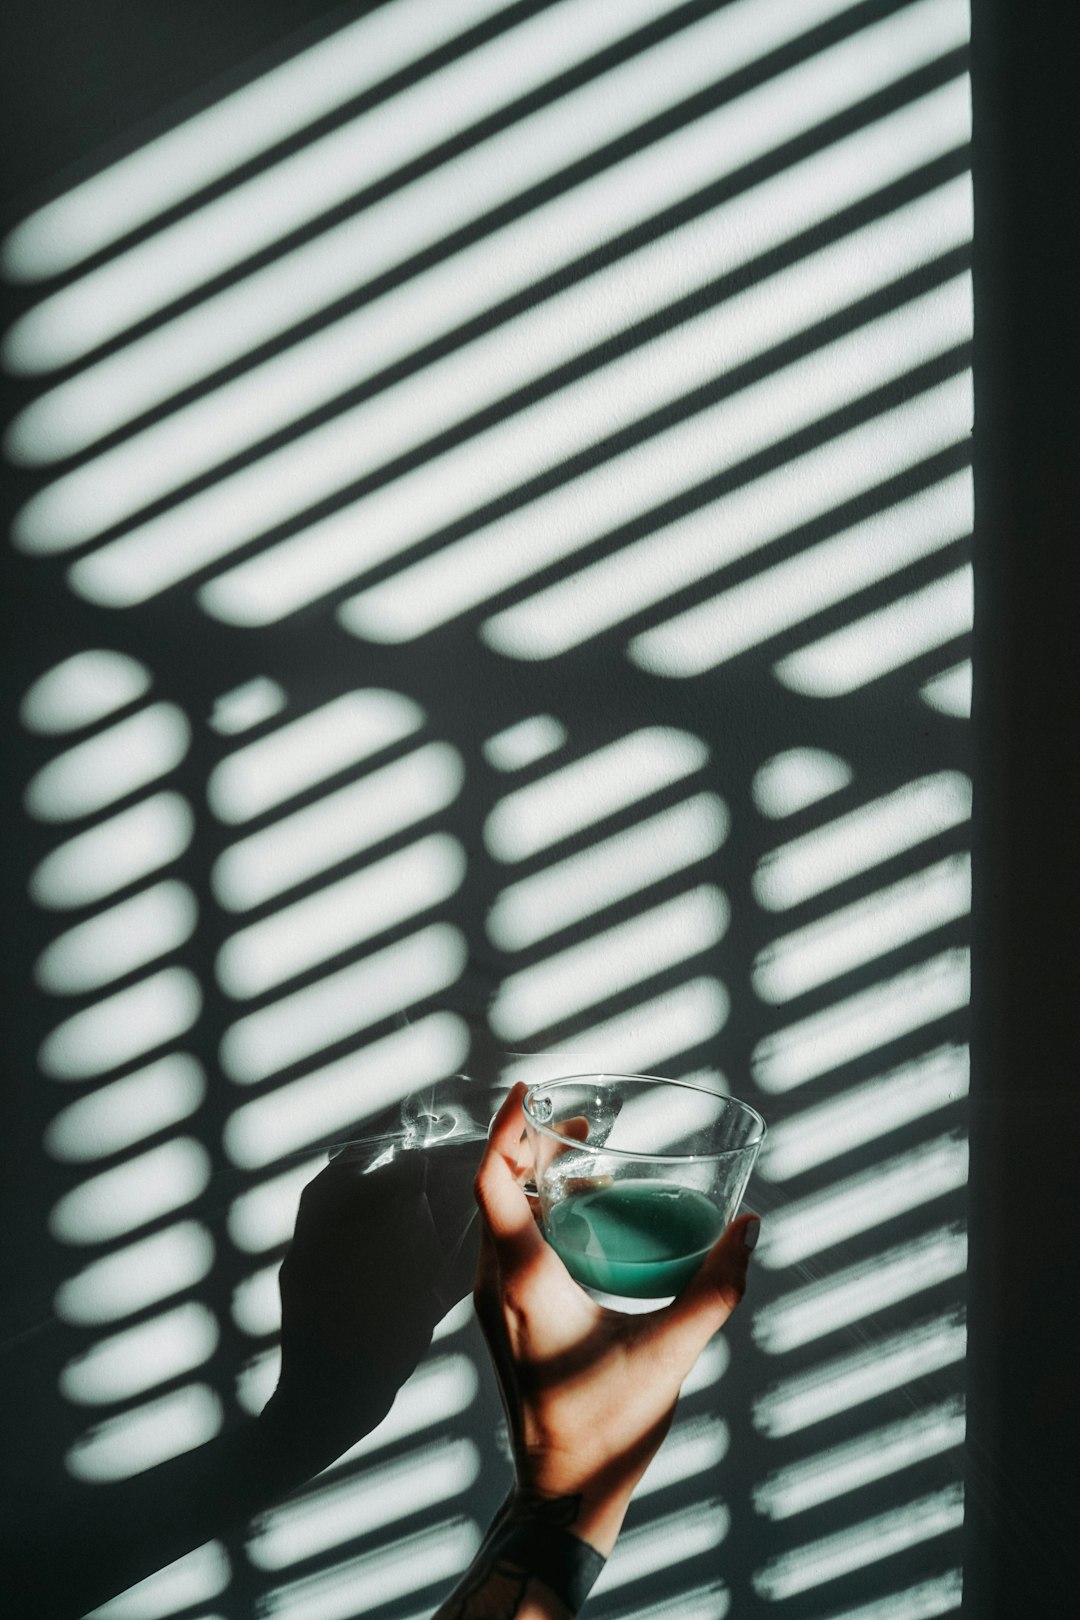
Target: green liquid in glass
column 641, row 1239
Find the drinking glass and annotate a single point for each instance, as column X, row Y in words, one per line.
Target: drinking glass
column 637, row 1176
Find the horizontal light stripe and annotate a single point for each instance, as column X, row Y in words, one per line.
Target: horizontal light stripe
column 197, row 1577
column 950, row 693
column 711, row 1602
column 118, row 941
column 806, row 1226
column 633, row 1041
column 298, row 756
column 340, row 916
column 861, row 1545
column 708, row 1369
column 143, row 1189
column 246, row 705
column 607, row 872
column 430, row 1557
column 111, row 765
column 123, row 1026
column 343, row 1003
column 820, row 1308
column 893, row 916
column 148, row 1435
column 82, row 690
column 747, row 614
column 663, row 1543
column 263, row 1217
column 438, row 1390
column 693, row 1447
column 877, row 1455
column 204, row 148
column 340, row 1512
column 113, row 854
column 329, row 1101
column 256, row 1303
column 507, row 551
column 524, row 743
column 941, row 1595
column 865, row 1112
column 119, row 1114
column 257, row 1380
column 340, row 825
column 848, row 1029
column 865, row 838
column 847, row 1381
column 601, row 784
column 883, row 641
column 136, row 1276
column 796, row 779
column 610, row 962
column 132, row 1361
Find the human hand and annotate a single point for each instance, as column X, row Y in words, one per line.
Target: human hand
column 589, row 1392
column 376, row 1261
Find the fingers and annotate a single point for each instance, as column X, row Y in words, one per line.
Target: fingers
column 689, row 1322
column 503, row 1205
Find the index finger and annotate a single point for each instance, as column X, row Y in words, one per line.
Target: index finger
column 503, row 1205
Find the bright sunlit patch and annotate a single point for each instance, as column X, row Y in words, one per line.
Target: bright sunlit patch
column 864, row 838
column 263, row 1217
column 431, row 1557
column 333, row 1098
column 811, row 956
column 111, row 765
column 206, row 147
column 950, row 693
column 369, row 1501
column 579, row 795
column 81, row 690
column 941, row 1595
column 338, row 826
column 863, row 1022
column 116, row 942
column 307, row 751
column 246, row 706
column 820, row 1308
column 195, row 1578
column 797, row 778
column 120, row 1200
column 651, row 1031
column 665, row 1542
column 468, row 572
column 806, row 1226
column 138, row 1275
column 148, row 1435
column 711, row 1602
column 883, row 641
column 343, row 1003
column 257, row 1380
column 693, row 1447
column 709, row 1367
column 605, row 873
column 256, row 1303
column 114, row 853
column 135, row 1360
column 524, row 743
column 438, row 1390
column 881, row 1537
column 847, row 1381
column 122, row 1027
column 865, row 1112
column 340, row 916
column 119, row 1114
column 610, row 962
column 829, row 1474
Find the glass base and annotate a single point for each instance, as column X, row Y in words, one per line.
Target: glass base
column 628, row 1307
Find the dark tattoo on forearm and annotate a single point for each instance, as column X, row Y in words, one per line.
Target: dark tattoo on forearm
column 530, row 1540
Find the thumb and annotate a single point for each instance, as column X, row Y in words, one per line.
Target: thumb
column 689, row 1322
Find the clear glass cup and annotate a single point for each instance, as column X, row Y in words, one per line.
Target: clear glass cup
column 637, row 1176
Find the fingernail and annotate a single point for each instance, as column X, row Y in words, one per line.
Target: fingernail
column 751, row 1233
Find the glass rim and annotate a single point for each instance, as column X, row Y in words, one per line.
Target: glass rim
column 627, row 1153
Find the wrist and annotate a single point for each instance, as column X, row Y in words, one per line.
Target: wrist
column 543, row 1540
